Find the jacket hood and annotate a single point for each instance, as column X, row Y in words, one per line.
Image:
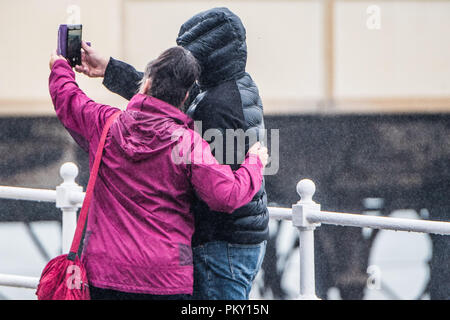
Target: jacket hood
column 217, row 39
column 146, row 127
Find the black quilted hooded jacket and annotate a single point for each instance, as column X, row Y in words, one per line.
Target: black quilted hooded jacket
column 226, row 98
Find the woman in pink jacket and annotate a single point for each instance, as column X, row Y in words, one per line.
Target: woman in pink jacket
column 138, row 238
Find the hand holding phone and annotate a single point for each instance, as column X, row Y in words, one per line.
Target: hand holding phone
column 93, row 64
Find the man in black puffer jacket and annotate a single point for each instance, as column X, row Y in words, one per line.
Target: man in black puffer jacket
column 228, row 249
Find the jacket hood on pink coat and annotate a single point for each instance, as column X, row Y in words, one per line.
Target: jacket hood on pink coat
column 143, row 129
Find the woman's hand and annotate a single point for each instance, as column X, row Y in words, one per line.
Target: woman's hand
column 54, row 57
column 92, row 63
column 259, row 151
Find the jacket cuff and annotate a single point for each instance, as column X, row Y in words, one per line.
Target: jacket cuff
column 121, row 78
column 63, row 63
column 110, row 73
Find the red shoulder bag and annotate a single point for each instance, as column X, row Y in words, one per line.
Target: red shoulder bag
column 64, row 277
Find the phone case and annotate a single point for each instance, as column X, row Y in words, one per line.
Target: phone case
column 62, row 40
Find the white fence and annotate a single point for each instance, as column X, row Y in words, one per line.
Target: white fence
column 305, row 215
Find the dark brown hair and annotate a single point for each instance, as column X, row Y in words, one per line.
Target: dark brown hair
column 172, row 75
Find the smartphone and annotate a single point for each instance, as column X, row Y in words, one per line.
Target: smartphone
column 69, row 43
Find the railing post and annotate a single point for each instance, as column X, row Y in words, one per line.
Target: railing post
column 306, row 190
column 68, row 196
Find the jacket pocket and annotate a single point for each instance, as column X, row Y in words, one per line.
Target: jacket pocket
column 246, row 259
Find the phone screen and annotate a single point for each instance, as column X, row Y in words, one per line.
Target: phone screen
column 74, row 46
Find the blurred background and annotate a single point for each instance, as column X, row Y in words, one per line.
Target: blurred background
column 360, row 91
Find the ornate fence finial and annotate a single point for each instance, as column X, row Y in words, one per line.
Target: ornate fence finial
column 68, row 171
column 306, row 189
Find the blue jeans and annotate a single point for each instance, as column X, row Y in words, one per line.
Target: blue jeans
column 225, row 271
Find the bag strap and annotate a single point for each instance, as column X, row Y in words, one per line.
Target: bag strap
column 90, row 189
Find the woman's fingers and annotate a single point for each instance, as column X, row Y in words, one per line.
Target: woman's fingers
column 260, row 151
column 263, row 155
column 254, row 148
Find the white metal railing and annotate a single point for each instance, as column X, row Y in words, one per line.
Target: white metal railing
column 68, row 196
column 305, row 215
